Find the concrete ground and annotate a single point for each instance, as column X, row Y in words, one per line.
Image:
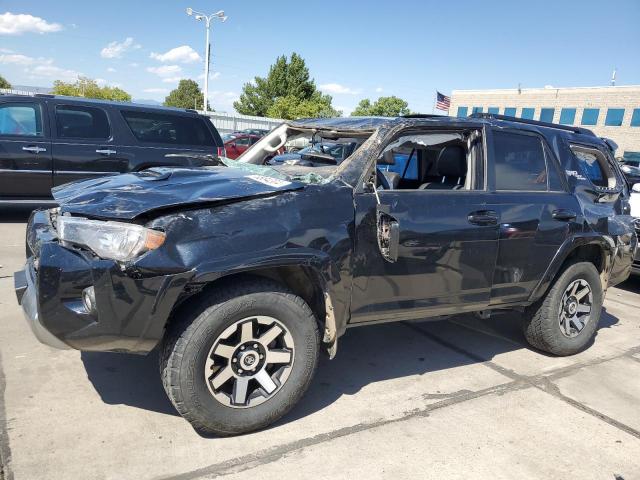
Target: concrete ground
column 456, row 399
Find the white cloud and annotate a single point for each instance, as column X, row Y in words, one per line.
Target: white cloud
column 12, row 24
column 111, row 69
column 116, row 49
column 182, row 54
column 155, row 90
column 19, row 59
column 379, row 90
column 340, row 89
column 134, row 65
column 165, row 70
column 171, row 79
column 53, row 72
column 101, row 82
column 39, row 67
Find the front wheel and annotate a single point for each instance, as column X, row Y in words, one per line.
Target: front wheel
column 241, row 358
column 566, row 319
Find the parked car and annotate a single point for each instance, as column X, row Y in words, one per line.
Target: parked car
column 235, row 144
column 631, row 171
column 47, row 140
column 261, row 132
column 318, row 154
column 243, row 274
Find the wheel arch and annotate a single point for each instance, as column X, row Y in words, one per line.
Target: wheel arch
column 599, row 250
column 311, row 278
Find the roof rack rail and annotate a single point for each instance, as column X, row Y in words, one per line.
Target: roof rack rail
column 422, row 115
column 569, row 128
column 45, row 95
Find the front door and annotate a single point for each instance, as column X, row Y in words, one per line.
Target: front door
column 25, row 151
column 442, row 236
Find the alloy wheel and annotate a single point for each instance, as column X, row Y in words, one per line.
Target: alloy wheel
column 575, row 308
column 249, row 362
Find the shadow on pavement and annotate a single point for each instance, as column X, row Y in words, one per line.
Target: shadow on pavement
column 128, row 379
column 16, row 214
column 631, row 285
column 365, row 355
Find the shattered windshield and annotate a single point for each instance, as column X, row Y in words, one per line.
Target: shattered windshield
column 271, row 155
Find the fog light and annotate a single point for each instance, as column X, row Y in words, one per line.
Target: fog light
column 89, row 299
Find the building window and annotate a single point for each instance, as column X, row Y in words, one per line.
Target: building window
column 635, row 118
column 477, row 110
column 546, row 114
column 527, row 113
column 495, row 110
column 567, row 116
column 614, row 117
column 462, row 111
column 590, row 116
column 510, row 111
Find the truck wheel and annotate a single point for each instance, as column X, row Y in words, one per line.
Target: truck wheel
column 566, row 319
column 240, row 358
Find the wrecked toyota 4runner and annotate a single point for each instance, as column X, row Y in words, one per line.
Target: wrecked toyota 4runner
column 243, row 273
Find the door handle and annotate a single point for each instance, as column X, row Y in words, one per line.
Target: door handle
column 34, row 149
column 106, row 151
column 483, row 217
column 564, row 215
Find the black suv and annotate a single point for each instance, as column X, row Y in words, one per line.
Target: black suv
column 242, row 273
column 47, row 140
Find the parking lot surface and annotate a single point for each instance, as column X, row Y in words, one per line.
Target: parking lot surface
column 464, row 398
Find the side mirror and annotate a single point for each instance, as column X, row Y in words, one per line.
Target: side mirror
column 636, row 187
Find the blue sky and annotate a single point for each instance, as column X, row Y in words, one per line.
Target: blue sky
column 354, row 49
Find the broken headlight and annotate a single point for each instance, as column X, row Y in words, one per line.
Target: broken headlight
column 114, row 240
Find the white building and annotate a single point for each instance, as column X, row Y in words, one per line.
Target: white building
column 612, row 112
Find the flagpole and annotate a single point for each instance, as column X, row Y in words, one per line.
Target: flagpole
column 435, row 99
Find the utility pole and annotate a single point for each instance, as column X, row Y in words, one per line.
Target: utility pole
column 613, row 77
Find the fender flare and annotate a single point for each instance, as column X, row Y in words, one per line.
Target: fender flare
column 336, row 297
column 605, row 243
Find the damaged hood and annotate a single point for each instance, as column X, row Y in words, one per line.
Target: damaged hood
column 130, row 195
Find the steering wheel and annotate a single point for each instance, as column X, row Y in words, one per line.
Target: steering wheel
column 381, row 180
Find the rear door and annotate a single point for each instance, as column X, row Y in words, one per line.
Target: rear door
column 537, row 214
column 83, row 144
column 164, row 138
column 25, row 149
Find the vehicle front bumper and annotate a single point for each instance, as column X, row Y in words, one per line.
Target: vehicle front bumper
column 130, row 313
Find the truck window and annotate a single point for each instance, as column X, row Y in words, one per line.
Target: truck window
column 519, row 162
column 82, row 122
column 167, row 128
column 594, row 166
column 22, row 119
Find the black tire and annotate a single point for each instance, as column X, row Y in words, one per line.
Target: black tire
column 189, row 339
column 542, row 327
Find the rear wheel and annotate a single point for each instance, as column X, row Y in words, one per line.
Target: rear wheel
column 566, row 319
column 240, row 358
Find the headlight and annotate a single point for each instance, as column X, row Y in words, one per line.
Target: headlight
column 114, row 240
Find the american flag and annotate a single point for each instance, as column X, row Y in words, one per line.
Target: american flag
column 442, row 101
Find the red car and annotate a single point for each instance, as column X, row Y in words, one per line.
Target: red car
column 235, row 144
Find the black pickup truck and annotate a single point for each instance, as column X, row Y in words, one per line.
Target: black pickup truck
column 48, row 140
column 243, row 273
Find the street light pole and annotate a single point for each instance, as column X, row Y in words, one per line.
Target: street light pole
column 207, row 49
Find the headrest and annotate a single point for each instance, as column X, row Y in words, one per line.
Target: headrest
column 452, row 161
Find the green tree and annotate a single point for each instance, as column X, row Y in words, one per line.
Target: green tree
column 383, row 107
column 4, row 83
column 186, row 95
column 287, row 91
column 88, row 88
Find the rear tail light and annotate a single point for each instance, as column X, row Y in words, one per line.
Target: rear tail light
column 222, row 152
